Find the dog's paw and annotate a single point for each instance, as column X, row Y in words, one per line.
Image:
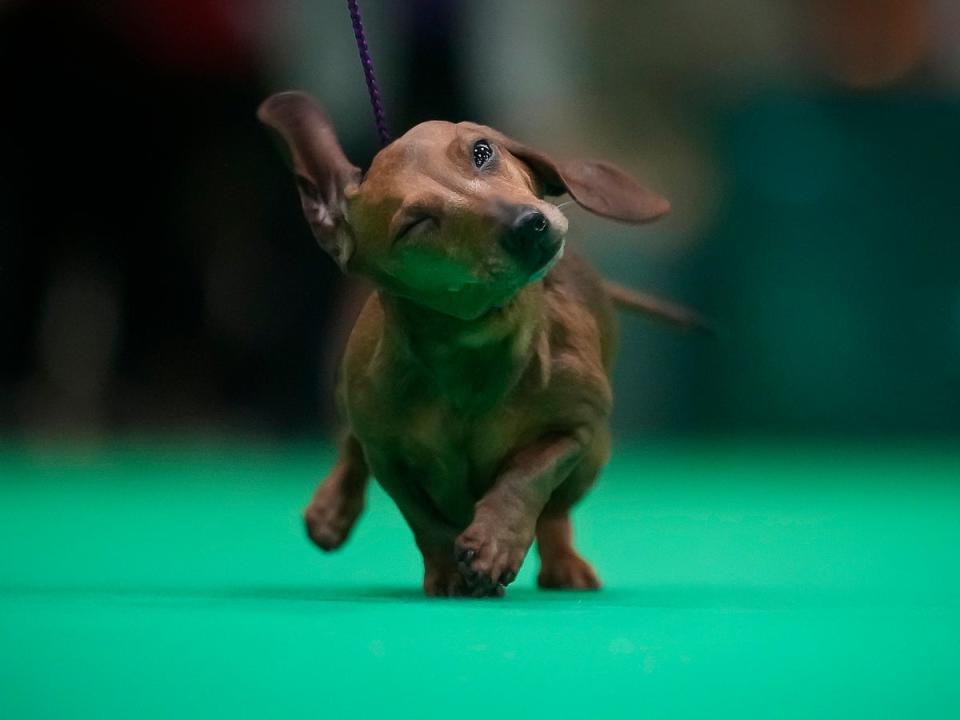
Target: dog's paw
column 330, row 516
column 489, row 556
column 448, row 582
column 567, row 572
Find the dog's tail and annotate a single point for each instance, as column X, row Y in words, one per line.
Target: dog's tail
column 653, row 306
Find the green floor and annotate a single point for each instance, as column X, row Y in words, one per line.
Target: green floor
column 745, row 580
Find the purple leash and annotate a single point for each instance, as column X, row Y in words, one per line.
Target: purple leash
column 375, row 101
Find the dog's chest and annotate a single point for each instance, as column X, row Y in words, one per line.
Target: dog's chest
column 447, row 422
column 452, row 456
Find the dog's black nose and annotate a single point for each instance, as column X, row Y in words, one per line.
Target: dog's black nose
column 530, row 224
column 529, row 238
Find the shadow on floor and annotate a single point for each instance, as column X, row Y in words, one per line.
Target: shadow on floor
column 675, row 596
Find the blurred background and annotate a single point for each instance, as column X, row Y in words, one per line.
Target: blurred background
column 156, row 275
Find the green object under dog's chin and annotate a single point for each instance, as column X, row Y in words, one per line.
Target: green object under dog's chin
column 535, row 277
column 466, row 299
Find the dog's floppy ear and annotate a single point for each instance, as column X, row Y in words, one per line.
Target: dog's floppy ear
column 597, row 186
column 323, row 172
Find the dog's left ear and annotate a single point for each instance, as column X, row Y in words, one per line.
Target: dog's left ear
column 324, row 175
column 597, row 186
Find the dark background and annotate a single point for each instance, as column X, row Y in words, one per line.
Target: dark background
column 156, row 275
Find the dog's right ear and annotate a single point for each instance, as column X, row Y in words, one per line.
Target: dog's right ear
column 595, row 185
column 324, row 175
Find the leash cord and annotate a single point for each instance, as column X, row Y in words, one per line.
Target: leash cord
column 376, row 101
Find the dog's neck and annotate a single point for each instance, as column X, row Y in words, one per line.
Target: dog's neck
column 472, row 363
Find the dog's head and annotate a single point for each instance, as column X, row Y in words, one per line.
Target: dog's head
column 449, row 216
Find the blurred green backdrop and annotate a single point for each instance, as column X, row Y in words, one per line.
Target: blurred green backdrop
column 155, row 274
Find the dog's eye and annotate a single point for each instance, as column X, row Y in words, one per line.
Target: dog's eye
column 481, row 153
column 413, row 225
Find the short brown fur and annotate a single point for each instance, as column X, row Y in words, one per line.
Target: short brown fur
column 475, row 384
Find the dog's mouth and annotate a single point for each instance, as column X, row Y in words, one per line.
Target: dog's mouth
column 548, row 262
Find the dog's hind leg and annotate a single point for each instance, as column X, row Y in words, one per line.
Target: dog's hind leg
column 561, row 567
column 338, row 500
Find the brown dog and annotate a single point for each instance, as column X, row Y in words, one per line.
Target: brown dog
column 475, row 383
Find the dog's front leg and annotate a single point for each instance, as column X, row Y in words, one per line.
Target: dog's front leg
column 338, row 500
column 492, row 548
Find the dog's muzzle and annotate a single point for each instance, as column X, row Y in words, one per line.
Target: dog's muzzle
column 531, row 240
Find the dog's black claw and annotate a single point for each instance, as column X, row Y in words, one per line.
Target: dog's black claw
column 469, row 574
column 479, row 591
column 508, row 577
column 466, row 555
